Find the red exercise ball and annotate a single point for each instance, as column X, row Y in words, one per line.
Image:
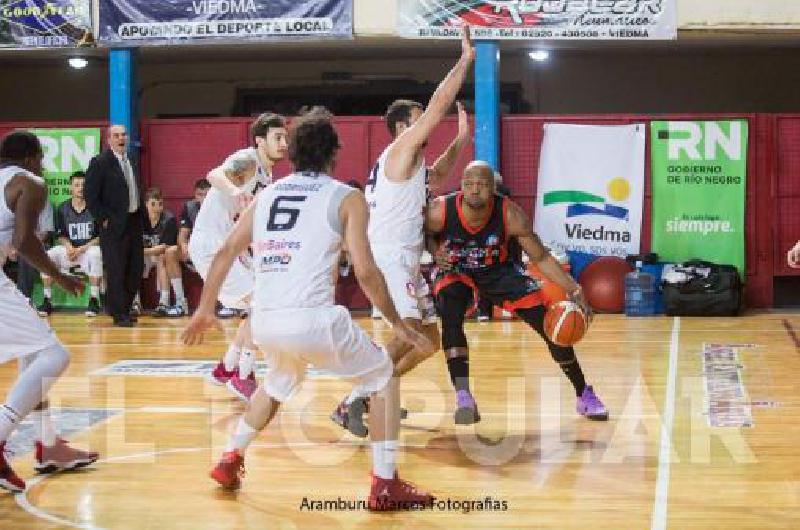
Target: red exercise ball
column 603, row 283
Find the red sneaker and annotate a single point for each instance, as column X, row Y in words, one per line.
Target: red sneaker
column 8, row 479
column 61, row 457
column 220, row 376
column 243, row 388
column 229, row 471
column 391, row 495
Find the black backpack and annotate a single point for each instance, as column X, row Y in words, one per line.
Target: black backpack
column 718, row 294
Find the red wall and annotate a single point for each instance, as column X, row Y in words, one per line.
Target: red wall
column 177, row 152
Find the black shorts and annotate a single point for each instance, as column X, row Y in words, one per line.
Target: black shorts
column 503, row 285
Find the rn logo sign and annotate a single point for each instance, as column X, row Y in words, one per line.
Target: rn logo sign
column 65, row 152
column 704, row 140
column 699, row 181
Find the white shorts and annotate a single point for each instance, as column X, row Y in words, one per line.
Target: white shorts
column 324, row 337
column 150, row 262
column 238, row 285
column 22, row 332
column 90, row 262
column 407, row 287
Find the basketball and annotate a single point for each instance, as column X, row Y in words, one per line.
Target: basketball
column 565, row 323
column 603, row 283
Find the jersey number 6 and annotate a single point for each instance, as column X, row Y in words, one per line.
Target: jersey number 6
column 275, row 225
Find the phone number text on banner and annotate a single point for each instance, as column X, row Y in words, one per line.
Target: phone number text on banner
column 539, row 19
column 186, row 21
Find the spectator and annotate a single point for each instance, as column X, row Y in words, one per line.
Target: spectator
column 160, row 233
column 179, row 253
column 113, row 197
column 793, row 258
column 78, row 246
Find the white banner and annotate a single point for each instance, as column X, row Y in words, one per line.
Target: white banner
column 591, row 188
column 539, row 19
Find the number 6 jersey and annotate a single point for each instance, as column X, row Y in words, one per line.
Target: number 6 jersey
column 297, row 236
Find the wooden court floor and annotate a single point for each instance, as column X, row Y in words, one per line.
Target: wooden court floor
column 531, row 462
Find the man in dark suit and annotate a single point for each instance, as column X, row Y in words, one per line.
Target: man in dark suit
column 114, row 198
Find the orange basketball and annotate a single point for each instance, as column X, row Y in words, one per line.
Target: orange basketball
column 565, row 323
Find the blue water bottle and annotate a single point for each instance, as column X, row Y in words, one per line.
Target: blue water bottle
column 640, row 293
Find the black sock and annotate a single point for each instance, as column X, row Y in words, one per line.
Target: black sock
column 572, row 369
column 459, row 372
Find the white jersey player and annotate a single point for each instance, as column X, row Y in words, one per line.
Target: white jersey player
column 235, row 183
column 23, row 336
column 297, row 228
column 397, row 193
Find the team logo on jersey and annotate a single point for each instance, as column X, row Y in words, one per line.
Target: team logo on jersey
column 411, row 289
column 275, row 259
column 492, row 240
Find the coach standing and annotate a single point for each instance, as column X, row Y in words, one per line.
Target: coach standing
column 114, row 199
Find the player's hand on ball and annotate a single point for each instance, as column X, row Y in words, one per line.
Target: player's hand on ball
column 415, row 338
column 71, row 284
column 578, row 297
column 200, row 322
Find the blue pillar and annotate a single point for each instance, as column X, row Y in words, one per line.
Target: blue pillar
column 487, row 103
column 123, row 107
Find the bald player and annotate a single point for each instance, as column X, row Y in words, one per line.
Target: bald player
column 474, row 227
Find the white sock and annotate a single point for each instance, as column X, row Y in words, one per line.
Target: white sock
column 9, row 419
column 242, row 437
column 246, row 362
column 94, row 291
column 231, row 358
column 48, row 292
column 164, row 297
column 43, row 427
column 384, row 458
column 177, row 288
column 354, row 395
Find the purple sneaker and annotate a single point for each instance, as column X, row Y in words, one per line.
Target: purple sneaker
column 589, row 405
column 466, row 409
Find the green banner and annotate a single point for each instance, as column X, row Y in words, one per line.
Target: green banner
column 699, row 183
column 65, row 152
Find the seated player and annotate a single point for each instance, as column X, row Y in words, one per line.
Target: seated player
column 179, row 254
column 160, row 232
column 475, row 226
column 78, row 246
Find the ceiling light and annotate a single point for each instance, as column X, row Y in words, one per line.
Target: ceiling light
column 78, row 62
column 539, row 55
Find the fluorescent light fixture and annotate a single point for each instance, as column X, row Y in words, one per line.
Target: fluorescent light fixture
column 539, row 55
column 77, row 62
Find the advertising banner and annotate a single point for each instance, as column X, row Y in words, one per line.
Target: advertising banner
column 45, row 23
column 65, row 152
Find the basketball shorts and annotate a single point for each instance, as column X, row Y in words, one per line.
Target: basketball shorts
column 21, row 329
column 407, row 287
column 90, row 262
column 323, row 337
column 505, row 286
column 238, row 285
column 150, row 262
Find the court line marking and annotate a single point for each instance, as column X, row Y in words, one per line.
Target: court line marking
column 659, row 520
column 23, row 502
column 788, row 328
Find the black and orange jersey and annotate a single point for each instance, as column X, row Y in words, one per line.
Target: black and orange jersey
column 475, row 249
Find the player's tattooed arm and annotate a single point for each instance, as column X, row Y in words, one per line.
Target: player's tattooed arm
column 518, row 225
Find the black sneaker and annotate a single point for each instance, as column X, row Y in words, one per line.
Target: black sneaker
column 93, row 309
column 45, row 308
column 161, row 310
